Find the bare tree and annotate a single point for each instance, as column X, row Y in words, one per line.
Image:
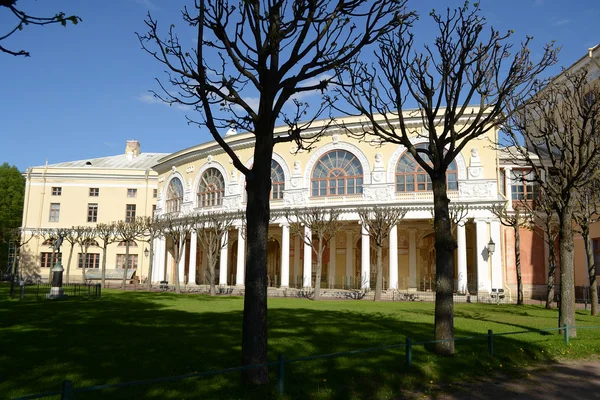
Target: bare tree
column 323, row 223
column 177, row 228
column 127, row 233
column 273, row 52
column 85, row 237
column 210, row 228
column 516, row 219
column 379, row 220
column 23, row 19
column 467, row 63
column 106, row 232
column 50, row 236
column 152, row 229
column 587, row 212
column 19, row 239
column 560, row 130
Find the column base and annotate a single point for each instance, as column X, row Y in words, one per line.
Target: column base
column 56, row 293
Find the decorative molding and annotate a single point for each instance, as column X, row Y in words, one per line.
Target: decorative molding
column 162, row 197
column 280, row 160
column 379, row 192
column 295, row 197
column 478, row 189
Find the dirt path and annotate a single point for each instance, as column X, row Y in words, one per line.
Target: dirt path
column 568, row 380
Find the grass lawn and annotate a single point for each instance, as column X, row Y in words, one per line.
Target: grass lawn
column 128, row 336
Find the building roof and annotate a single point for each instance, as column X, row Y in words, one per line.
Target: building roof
column 121, row 161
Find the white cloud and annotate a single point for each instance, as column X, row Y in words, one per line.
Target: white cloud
column 148, row 4
column 148, row 98
column 538, row 3
column 561, row 22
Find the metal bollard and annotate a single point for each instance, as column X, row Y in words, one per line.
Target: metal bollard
column 408, row 352
column 491, row 342
column 281, row 375
column 566, row 331
column 66, row 390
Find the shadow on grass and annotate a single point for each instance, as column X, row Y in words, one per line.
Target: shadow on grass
column 128, row 336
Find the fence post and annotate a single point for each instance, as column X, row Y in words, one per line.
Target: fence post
column 281, row 375
column 566, row 331
column 491, row 342
column 66, row 390
column 408, row 352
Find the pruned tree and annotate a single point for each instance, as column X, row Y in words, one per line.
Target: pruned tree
column 50, row 236
column 127, row 233
column 556, row 133
column 85, row 236
column 252, row 63
column 19, row 240
column 210, row 228
column 71, row 238
column 177, row 228
column 467, row 63
column 516, row 219
column 152, row 228
column 587, row 212
column 106, row 232
column 379, row 220
column 323, row 223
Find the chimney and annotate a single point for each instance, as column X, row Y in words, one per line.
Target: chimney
column 132, row 149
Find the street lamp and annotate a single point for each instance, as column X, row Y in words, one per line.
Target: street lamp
column 146, row 252
column 491, row 247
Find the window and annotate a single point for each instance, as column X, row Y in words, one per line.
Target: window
column 94, row 192
column 46, row 260
column 277, row 181
column 133, row 261
column 130, row 213
column 56, row 191
column 411, row 177
column 154, row 210
column 131, row 192
column 92, row 260
column 92, row 213
column 132, row 243
column 154, row 193
column 337, row 173
column 174, row 196
column 523, row 185
column 211, row 188
column 54, row 212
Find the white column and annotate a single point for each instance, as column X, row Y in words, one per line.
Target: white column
column 182, row 264
column 365, row 271
column 285, row 255
column 461, row 241
column 497, row 281
column 169, row 267
column 193, row 251
column 394, row 257
column 349, row 258
column 412, row 259
column 223, row 260
column 508, row 187
column 307, row 275
column 296, row 258
column 158, row 268
column 332, row 255
column 241, row 258
column 483, row 274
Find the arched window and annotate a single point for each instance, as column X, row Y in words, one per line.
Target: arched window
column 337, row 173
column 174, row 196
column 211, row 188
column 277, row 181
column 411, row 177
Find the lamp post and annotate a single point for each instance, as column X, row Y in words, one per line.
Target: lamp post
column 56, row 291
column 146, row 252
column 491, row 247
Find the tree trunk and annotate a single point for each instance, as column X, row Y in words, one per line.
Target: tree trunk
column 211, row 272
column 319, row 269
column 518, row 265
column 444, row 261
column 103, row 272
column 150, row 266
column 566, row 314
column 379, row 282
column 178, row 250
column 126, row 265
column 85, row 253
column 13, row 276
column 589, row 251
column 258, row 188
column 68, row 271
column 551, row 272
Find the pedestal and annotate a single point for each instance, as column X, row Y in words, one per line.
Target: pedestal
column 56, row 291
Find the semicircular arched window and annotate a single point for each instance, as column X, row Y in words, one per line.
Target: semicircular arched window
column 211, row 188
column 277, row 181
column 337, row 173
column 174, row 196
column 411, row 177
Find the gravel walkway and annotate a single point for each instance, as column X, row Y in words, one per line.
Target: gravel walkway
column 567, row 380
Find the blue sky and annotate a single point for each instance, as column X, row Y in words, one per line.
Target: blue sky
column 84, row 90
